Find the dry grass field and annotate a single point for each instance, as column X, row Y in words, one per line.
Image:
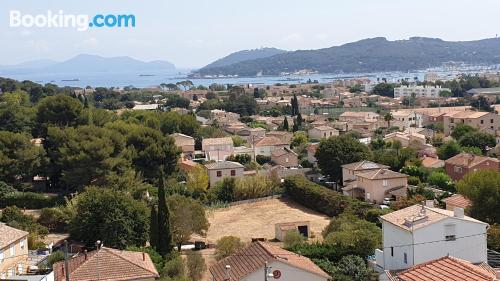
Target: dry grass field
column 257, row 220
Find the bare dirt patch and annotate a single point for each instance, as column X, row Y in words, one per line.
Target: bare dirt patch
column 257, row 220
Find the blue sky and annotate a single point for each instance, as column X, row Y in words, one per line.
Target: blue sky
column 192, row 33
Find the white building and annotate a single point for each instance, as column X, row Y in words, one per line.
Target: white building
column 419, row 234
column 406, row 118
column 419, row 91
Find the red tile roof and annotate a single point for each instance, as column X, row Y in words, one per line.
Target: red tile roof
column 9, row 235
column 270, row 141
column 469, row 160
column 458, row 200
column 110, row 264
column 253, row 258
column 444, row 269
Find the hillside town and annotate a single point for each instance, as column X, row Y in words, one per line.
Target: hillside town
column 357, row 180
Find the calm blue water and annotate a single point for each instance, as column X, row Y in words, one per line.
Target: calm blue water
column 134, row 79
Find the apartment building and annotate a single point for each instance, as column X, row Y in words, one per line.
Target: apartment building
column 484, row 121
column 419, row 91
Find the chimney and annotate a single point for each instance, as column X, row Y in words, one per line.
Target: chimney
column 458, row 212
column 429, row 203
column 228, row 273
column 143, row 256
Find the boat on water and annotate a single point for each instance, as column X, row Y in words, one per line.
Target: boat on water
column 146, row 75
column 70, row 80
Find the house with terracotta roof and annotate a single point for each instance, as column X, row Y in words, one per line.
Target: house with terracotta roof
column 414, row 140
column 484, row 121
column 406, row 119
column 459, row 165
column 107, row 264
column 322, row 132
column 432, row 162
column 266, row 145
column 445, row 268
column 457, row 201
column 217, row 171
column 351, row 170
column 353, row 116
column 376, row 185
column 249, row 264
column 217, row 149
column 13, row 251
column 285, row 157
column 421, row 233
column 285, row 137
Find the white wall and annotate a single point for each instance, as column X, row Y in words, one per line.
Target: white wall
column 428, row 244
column 394, row 236
column 471, row 248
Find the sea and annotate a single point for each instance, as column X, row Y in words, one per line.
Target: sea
column 131, row 78
column 138, row 80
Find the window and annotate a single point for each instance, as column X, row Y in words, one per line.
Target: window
column 22, row 244
column 219, row 174
column 405, row 258
column 286, row 160
column 1, row 256
column 10, row 272
column 491, row 121
column 12, row 250
column 233, row 173
column 384, row 182
column 482, row 121
column 450, row 232
column 392, row 251
column 457, row 169
column 20, row 268
column 368, row 196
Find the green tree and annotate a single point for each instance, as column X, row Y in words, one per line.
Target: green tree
column 197, row 180
column 111, row 216
column 19, row 158
column 187, row 217
column 441, row 180
column 448, row 150
column 352, row 268
column 334, row 152
column 483, row 189
column 494, row 237
column 165, row 237
column 481, row 140
column 384, row 89
column 285, row 124
column 55, row 257
column 350, row 232
column 224, row 190
column 59, row 110
column 462, row 130
column 227, row 246
column 388, row 118
column 299, row 138
column 16, row 113
column 153, row 227
column 196, row 266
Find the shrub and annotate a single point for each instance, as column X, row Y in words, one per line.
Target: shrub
column 494, row 238
column 253, row 187
column 157, row 259
column 262, row 159
column 293, row 239
column 55, row 219
column 227, row 246
column 196, row 266
column 30, row 200
column 174, row 267
column 314, row 196
column 6, row 190
column 441, row 180
column 413, row 180
column 54, row 257
column 223, row 191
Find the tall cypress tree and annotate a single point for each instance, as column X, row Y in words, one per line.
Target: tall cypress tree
column 164, row 231
column 299, row 120
column 153, row 227
column 285, row 124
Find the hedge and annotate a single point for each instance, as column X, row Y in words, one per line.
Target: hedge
column 315, row 197
column 30, row 200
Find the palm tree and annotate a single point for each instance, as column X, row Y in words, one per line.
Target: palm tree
column 388, row 117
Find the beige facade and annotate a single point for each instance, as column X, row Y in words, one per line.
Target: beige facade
column 484, row 121
column 13, row 251
column 285, row 157
column 219, row 170
column 380, row 184
column 352, row 170
column 184, row 143
column 322, row 132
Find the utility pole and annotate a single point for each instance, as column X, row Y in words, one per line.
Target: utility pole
column 265, row 271
column 66, row 269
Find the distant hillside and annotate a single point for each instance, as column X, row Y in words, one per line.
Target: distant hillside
column 244, row 56
column 369, row 55
column 93, row 64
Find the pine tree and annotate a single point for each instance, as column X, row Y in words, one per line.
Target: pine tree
column 285, row 124
column 164, row 232
column 153, row 228
column 299, row 120
column 295, row 105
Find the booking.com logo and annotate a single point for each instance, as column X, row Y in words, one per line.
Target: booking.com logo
column 62, row 20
